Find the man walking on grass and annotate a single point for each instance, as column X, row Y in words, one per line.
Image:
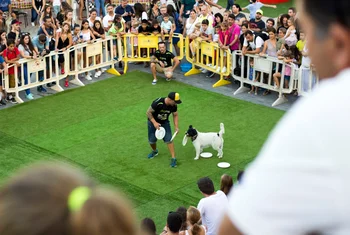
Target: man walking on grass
column 158, row 115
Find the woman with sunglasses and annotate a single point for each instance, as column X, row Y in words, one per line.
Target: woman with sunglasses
column 27, row 51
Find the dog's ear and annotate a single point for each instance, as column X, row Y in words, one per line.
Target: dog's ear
column 190, row 127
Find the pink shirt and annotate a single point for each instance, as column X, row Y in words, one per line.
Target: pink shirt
column 222, row 36
column 235, row 30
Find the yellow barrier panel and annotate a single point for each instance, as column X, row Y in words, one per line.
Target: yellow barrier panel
column 209, row 56
column 138, row 48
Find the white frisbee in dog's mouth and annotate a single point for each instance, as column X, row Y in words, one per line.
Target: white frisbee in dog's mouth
column 184, row 141
column 206, row 155
column 224, row 164
column 160, row 133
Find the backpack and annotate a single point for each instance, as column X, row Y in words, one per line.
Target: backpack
column 264, row 35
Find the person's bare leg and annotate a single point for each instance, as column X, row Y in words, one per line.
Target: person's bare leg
column 171, row 149
column 154, row 71
column 154, row 146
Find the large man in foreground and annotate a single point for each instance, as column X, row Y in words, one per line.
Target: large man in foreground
column 303, row 188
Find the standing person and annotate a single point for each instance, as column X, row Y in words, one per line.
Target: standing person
column 109, row 18
column 93, row 17
column 239, row 16
column 125, row 10
column 161, row 62
column 63, row 42
column 37, row 9
column 158, row 115
column 100, row 4
column 11, row 55
column 308, row 188
column 254, row 6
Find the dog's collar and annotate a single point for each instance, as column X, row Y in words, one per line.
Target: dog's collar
column 193, row 138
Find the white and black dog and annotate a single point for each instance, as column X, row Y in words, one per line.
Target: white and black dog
column 202, row 140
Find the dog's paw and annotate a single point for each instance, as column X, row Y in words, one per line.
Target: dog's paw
column 220, row 156
column 196, row 158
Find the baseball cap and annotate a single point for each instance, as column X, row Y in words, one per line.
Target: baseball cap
column 15, row 22
column 175, row 97
column 174, row 221
column 260, row 12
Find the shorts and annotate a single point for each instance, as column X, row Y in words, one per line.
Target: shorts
column 164, row 70
column 12, row 81
column 287, row 77
column 151, row 132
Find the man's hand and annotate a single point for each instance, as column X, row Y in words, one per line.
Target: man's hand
column 156, row 125
column 161, row 64
column 177, row 129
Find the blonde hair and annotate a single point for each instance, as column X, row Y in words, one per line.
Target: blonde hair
column 35, row 202
column 193, row 215
column 198, row 25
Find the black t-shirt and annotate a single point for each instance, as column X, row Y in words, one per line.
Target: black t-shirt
column 146, row 30
column 259, row 24
column 158, row 29
column 165, row 58
column 161, row 110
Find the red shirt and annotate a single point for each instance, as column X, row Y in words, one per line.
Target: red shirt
column 235, row 30
column 10, row 56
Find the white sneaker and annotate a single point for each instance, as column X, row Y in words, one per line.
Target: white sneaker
column 103, row 70
column 97, row 74
column 135, row 56
column 204, row 71
column 218, row 70
column 33, row 24
column 129, row 56
column 201, row 69
column 224, row 69
column 154, row 82
column 209, row 65
column 88, row 77
column 90, row 74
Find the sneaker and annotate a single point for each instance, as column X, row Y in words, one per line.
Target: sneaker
column 88, row 77
column 97, row 74
column 154, row 82
column 210, row 74
column 66, row 83
column 33, row 24
column 224, row 70
column 168, row 79
column 204, row 71
column 218, row 70
column 173, row 162
column 48, row 85
column 2, row 102
column 13, row 100
column 30, row 96
column 153, row 154
column 103, row 70
column 115, row 58
column 43, row 89
column 135, row 56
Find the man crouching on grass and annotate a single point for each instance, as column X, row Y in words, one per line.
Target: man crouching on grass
column 161, row 62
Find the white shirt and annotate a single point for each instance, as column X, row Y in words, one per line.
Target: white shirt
column 300, row 181
column 212, row 209
column 108, row 20
column 259, row 43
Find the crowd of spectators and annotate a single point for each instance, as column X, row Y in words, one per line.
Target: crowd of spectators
column 231, row 29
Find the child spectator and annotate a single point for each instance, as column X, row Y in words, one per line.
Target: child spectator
column 291, row 37
column 155, row 28
column 226, row 183
column 134, row 43
column 280, row 43
column 77, row 40
column 183, row 213
column 145, row 30
column 225, row 15
column 301, row 43
column 11, row 55
column 254, row 89
column 196, row 32
column 193, row 221
column 99, row 32
column 217, row 33
column 254, row 6
column 166, row 27
column 288, row 59
column 225, row 39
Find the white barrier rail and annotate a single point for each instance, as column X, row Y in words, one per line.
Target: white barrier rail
column 43, row 70
column 307, row 81
column 266, row 66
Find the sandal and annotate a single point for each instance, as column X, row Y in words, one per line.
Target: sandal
column 266, row 92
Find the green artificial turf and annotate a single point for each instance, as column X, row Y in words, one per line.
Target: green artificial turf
column 102, row 128
column 282, row 8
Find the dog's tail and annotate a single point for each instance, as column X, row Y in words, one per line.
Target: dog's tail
column 222, row 129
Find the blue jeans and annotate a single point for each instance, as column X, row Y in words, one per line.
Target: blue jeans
column 229, row 4
column 151, row 132
column 100, row 4
column 25, row 74
column 34, row 15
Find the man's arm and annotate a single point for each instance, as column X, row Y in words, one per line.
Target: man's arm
column 272, row 6
column 176, row 121
column 227, row 227
column 149, row 114
column 176, row 62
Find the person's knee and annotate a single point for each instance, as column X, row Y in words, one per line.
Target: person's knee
column 153, row 65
